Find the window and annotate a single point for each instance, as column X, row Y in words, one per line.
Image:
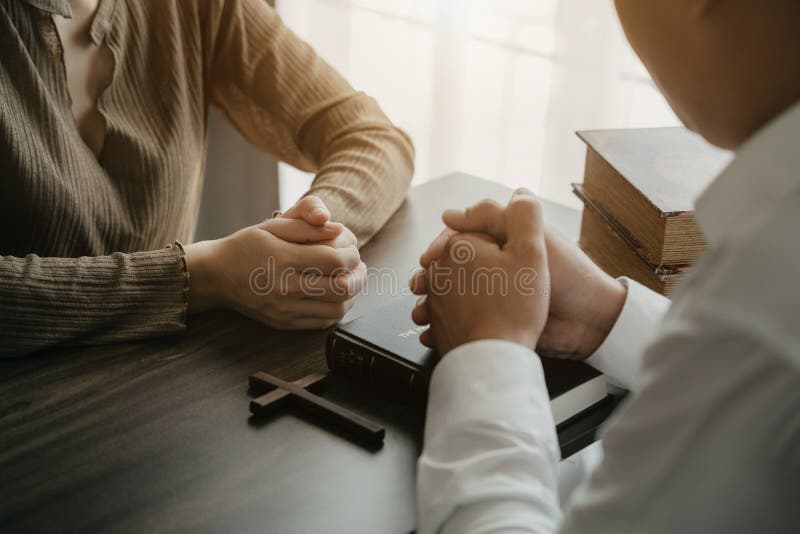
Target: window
column 495, row 88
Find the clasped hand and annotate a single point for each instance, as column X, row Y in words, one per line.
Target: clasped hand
column 298, row 271
column 499, row 273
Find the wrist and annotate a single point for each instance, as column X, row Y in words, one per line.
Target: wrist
column 204, row 292
column 610, row 299
column 522, row 336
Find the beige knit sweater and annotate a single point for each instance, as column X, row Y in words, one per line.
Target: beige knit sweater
column 85, row 239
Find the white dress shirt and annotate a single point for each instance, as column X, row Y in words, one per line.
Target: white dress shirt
column 709, row 439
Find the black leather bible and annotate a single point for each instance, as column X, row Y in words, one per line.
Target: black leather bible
column 382, row 350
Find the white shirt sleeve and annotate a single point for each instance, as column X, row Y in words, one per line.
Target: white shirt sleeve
column 491, row 451
column 620, row 355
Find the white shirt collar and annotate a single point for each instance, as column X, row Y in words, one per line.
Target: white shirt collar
column 765, row 170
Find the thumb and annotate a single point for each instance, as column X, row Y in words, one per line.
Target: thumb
column 524, row 221
column 299, row 231
column 487, row 216
column 311, row 209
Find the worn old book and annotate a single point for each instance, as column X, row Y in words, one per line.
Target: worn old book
column 647, row 181
column 382, row 350
column 615, row 252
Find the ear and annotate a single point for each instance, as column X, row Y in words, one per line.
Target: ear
column 700, row 8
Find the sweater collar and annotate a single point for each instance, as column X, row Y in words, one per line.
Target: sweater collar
column 102, row 19
column 54, row 7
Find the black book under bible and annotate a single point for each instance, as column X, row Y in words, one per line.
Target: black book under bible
column 382, row 350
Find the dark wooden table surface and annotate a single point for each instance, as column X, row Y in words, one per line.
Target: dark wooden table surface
column 155, row 436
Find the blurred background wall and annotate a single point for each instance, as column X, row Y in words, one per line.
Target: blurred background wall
column 241, row 182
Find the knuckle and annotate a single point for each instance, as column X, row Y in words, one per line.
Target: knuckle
column 487, row 204
column 250, row 233
column 527, row 202
column 335, row 260
column 278, row 310
column 349, row 238
column 269, row 300
column 454, row 244
column 355, row 289
column 337, row 291
column 311, row 202
column 284, row 269
column 335, row 296
column 342, row 293
column 282, row 261
column 483, row 206
column 353, row 258
column 293, row 285
column 449, row 244
column 270, row 318
column 339, row 310
column 532, row 248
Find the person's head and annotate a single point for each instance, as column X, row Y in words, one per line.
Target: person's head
column 726, row 66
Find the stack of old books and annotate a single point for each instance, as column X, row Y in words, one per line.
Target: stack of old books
column 638, row 192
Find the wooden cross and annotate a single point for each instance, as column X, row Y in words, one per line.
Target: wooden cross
column 277, row 393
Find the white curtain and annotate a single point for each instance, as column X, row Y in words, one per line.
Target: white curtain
column 495, row 88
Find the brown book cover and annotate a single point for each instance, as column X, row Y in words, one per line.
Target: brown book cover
column 617, row 253
column 647, row 180
column 382, row 350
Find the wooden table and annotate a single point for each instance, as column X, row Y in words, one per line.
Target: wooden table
column 155, row 436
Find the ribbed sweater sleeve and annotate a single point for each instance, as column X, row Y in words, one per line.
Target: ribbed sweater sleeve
column 286, row 100
column 47, row 302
